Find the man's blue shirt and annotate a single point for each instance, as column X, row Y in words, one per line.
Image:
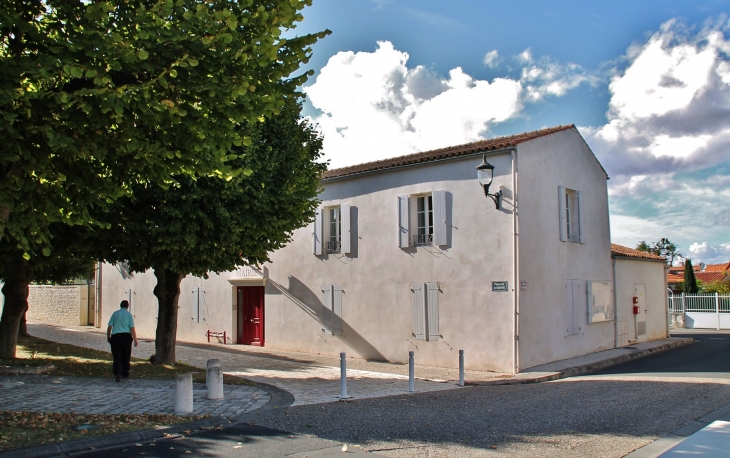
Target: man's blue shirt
column 121, row 321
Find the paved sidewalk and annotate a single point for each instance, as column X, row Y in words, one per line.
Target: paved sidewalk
column 588, row 363
column 44, row 393
column 309, row 383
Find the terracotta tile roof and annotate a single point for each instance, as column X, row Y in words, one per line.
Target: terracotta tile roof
column 709, row 277
column 717, row 267
column 621, row 251
column 451, row 151
column 675, row 278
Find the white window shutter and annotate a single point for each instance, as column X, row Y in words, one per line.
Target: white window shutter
column 419, row 311
column 337, row 310
column 346, row 238
column 403, row 221
column 327, row 309
column 563, row 217
column 432, row 307
column 317, row 232
column 439, row 218
column 581, row 217
column 130, row 299
column 196, row 305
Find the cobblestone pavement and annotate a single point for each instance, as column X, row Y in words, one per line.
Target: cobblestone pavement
column 309, row 383
column 44, row 393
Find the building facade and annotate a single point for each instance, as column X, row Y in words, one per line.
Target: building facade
column 408, row 254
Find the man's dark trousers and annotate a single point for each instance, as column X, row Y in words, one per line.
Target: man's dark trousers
column 121, row 351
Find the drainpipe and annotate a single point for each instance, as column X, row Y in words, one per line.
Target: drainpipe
column 97, row 312
column 515, row 265
column 615, row 306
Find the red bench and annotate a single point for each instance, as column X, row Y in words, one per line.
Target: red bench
column 215, row 334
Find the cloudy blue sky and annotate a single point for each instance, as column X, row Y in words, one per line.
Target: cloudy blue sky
column 646, row 82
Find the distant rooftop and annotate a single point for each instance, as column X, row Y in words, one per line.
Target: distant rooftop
column 620, row 251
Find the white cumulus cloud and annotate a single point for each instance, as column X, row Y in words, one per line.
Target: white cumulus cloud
column 373, row 106
column 704, row 252
column 670, row 106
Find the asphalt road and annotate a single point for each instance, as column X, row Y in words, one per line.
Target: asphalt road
column 708, row 357
column 607, row 414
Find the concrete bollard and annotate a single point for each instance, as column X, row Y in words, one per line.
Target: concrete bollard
column 411, row 373
column 343, row 376
column 214, row 379
column 183, row 394
column 461, row 367
column 215, row 383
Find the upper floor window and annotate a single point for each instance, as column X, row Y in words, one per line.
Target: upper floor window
column 334, row 241
column 572, row 217
column 332, row 231
column 424, row 221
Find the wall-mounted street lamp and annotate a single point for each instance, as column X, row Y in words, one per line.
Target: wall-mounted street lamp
column 485, row 174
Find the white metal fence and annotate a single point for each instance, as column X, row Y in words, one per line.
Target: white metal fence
column 700, row 310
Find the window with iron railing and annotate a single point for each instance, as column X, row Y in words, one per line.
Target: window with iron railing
column 334, row 242
column 420, row 240
column 424, row 221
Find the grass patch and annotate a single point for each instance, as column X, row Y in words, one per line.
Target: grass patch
column 25, row 429
column 71, row 360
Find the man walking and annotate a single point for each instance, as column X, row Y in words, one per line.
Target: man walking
column 120, row 333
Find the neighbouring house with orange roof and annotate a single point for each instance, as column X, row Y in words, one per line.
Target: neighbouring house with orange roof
column 500, row 248
column 709, row 273
column 641, row 292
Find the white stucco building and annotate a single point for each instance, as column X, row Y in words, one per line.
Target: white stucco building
column 407, row 254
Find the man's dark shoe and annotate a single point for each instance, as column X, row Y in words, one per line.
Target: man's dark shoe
column 117, row 378
column 125, row 376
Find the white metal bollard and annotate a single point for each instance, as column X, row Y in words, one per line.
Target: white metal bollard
column 343, row 376
column 411, row 372
column 183, row 394
column 461, row 367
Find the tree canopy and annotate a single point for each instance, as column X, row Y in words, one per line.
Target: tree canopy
column 214, row 224
column 96, row 97
column 664, row 247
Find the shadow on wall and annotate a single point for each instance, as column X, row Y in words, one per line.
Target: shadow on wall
column 310, row 302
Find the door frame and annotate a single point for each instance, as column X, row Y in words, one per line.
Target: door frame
column 240, row 320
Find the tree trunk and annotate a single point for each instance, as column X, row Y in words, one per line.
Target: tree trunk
column 23, row 330
column 18, row 276
column 167, row 291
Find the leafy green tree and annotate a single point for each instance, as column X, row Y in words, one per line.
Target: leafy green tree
column 719, row 286
column 100, row 97
column 664, row 247
column 72, row 257
column 214, row 224
column 97, row 96
column 690, row 282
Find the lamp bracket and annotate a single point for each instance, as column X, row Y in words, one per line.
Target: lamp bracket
column 496, row 197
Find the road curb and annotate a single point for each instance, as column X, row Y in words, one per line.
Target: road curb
column 585, row 368
column 279, row 400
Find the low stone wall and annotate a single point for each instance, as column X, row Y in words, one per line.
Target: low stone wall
column 58, row 304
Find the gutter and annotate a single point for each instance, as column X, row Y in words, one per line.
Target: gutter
column 615, row 305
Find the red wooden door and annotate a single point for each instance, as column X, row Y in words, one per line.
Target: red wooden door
column 251, row 315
